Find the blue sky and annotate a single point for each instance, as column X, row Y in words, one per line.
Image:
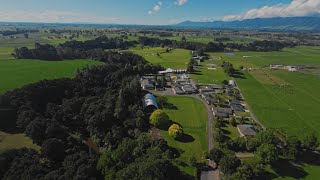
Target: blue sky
column 150, row 11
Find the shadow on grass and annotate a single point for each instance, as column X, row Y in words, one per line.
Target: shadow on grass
column 238, row 75
column 284, row 168
column 185, row 138
column 310, row 158
column 165, row 104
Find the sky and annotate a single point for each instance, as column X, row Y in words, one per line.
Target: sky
column 151, row 12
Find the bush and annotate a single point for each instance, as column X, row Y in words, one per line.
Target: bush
column 175, row 131
column 159, row 118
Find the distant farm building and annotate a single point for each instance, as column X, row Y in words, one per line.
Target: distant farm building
column 246, row 130
column 150, row 103
column 172, row 71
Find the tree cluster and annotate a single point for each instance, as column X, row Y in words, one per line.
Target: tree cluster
column 101, row 104
column 90, row 49
column 259, row 46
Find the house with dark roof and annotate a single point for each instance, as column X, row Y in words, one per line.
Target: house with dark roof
column 222, row 112
column 147, row 84
column 246, row 130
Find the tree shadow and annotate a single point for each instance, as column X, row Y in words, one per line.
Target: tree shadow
column 285, row 168
column 165, row 104
column 310, row 158
column 238, row 75
column 185, row 138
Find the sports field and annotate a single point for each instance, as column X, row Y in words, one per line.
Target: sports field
column 191, row 114
column 175, row 59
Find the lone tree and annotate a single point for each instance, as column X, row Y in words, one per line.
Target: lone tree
column 159, row 118
column 175, row 131
column 229, row 164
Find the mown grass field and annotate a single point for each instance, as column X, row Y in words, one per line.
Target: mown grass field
column 191, row 114
column 16, row 73
column 15, row 141
column 209, row 76
column 176, row 59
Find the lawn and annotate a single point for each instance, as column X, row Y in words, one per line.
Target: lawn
column 16, row 73
column 176, row 59
column 209, row 76
column 15, row 141
column 191, row 114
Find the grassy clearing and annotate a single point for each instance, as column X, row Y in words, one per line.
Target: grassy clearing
column 15, row 141
column 176, row 59
column 16, row 73
column 192, row 116
column 209, row 76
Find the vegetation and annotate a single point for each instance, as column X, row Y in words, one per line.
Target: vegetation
column 191, row 114
column 175, row 131
column 159, row 118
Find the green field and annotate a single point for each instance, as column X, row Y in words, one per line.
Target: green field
column 16, row 73
column 192, row 116
column 209, row 76
column 15, row 141
column 176, row 59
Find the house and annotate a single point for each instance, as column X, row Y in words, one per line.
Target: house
column 209, row 98
column 237, row 106
column 167, row 71
column 188, row 89
column 246, row 130
column 222, row 112
column 178, row 90
column 150, row 103
column 147, row 84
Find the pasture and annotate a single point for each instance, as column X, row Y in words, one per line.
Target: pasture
column 191, row 114
column 16, row 73
column 175, row 59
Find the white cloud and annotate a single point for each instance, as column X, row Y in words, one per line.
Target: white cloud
column 295, row 8
column 155, row 8
column 52, row 16
column 181, row 2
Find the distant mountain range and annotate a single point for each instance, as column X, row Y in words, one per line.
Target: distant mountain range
column 277, row 24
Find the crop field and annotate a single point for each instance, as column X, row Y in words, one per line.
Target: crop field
column 191, row 114
column 176, row 59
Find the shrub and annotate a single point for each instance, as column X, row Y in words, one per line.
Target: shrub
column 159, row 118
column 175, row 131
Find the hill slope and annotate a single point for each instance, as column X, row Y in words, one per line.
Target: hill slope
column 278, row 23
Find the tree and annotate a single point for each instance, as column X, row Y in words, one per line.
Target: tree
column 229, row 164
column 311, row 142
column 233, row 121
column 175, row 131
column 267, row 153
column 183, row 38
column 216, row 154
column 54, row 149
column 225, row 82
column 244, row 172
column 159, row 118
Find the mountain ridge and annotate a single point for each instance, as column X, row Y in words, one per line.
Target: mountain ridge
column 308, row 23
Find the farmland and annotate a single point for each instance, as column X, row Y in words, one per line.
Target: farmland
column 192, row 116
column 176, row 59
column 16, row 73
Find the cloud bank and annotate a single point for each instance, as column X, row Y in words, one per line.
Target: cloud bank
column 295, row 8
column 52, row 17
column 181, row 2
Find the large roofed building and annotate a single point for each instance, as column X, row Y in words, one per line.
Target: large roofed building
column 150, row 103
